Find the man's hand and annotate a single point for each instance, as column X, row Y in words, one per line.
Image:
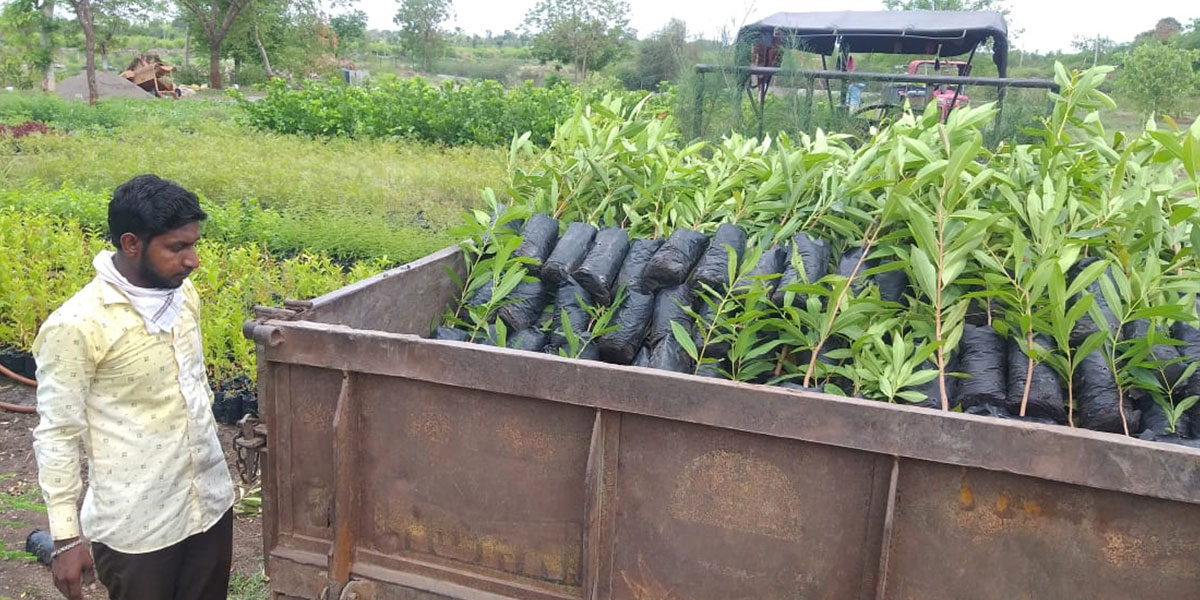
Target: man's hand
column 72, row 569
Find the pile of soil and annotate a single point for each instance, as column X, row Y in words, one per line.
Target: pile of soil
column 108, row 85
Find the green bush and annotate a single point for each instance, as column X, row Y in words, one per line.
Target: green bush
column 1156, row 78
column 44, row 259
column 110, row 113
column 249, row 74
column 479, row 112
column 192, row 74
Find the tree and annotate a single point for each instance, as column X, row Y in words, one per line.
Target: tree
column 1156, row 77
column 1000, row 6
column 1167, row 28
column 587, row 34
column 37, row 32
column 283, row 37
column 420, row 27
column 113, row 18
column 1098, row 45
column 83, row 12
column 996, row 5
column 660, row 56
column 216, row 17
column 351, row 29
column 1190, row 39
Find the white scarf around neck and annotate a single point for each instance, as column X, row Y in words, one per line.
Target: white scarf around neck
column 158, row 307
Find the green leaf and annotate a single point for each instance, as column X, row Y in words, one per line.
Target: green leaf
column 1080, row 308
column 885, row 387
column 978, row 181
column 1115, row 301
column 921, row 225
column 1181, row 213
column 959, row 159
column 501, row 334
column 569, row 331
column 1186, row 404
column 685, row 340
column 1093, row 343
column 921, row 377
column 763, row 349
column 1194, row 237
column 1173, row 312
column 1085, row 277
column 924, row 272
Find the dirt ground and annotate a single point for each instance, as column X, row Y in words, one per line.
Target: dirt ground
column 20, row 496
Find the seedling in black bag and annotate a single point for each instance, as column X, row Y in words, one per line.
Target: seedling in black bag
column 485, row 237
column 946, row 228
column 885, row 364
column 1061, row 317
column 744, row 329
column 844, row 311
column 714, row 331
column 1145, row 291
column 1164, row 380
column 599, row 317
column 506, row 274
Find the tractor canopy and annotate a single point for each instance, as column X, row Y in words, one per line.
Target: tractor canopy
column 927, row 32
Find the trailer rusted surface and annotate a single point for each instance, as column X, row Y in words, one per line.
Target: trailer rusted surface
column 400, row 467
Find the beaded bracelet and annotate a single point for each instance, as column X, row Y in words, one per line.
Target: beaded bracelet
column 70, row 546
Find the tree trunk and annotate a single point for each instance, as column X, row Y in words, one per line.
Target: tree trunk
column 89, row 40
column 214, row 62
column 425, row 53
column 187, row 49
column 216, row 27
column 262, row 51
column 104, row 66
column 48, row 18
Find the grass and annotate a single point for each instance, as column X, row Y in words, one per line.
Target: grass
column 65, row 115
column 15, row 554
column 248, row 587
column 348, row 198
column 17, row 499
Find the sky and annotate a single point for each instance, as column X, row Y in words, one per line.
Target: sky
column 1048, row 24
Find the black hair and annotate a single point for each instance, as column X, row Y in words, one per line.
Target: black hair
column 149, row 206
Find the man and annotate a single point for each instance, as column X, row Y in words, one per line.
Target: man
column 121, row 369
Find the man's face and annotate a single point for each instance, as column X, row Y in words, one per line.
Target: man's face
column 169, row 258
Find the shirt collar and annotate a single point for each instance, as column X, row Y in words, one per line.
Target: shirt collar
column 110, row 294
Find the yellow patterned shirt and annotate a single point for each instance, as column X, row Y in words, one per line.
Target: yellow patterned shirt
column 141, row 405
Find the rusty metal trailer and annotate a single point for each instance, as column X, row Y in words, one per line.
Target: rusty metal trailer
column 400, row 467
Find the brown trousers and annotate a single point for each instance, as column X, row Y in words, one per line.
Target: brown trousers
column 195, row 569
